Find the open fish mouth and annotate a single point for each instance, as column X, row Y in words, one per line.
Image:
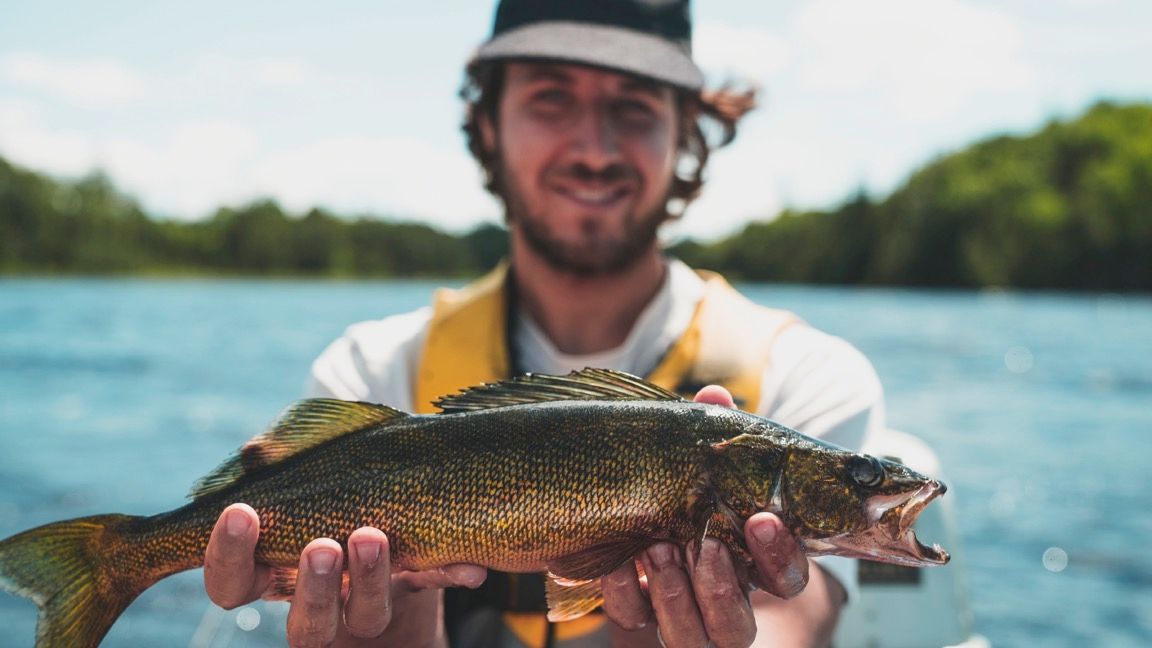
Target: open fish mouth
column 889, row 536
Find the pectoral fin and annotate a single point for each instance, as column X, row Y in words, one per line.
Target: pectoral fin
column 596, row 561
column 728, row 529
column 569, row 599
column 283, row 584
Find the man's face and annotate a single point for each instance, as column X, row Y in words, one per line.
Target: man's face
column 585, row 160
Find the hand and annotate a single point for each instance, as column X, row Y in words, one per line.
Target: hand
column 703, row 602
column 378, row 606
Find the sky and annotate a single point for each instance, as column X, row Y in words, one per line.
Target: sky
column 188, row 106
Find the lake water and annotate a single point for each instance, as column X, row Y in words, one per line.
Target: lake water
column 116, row 395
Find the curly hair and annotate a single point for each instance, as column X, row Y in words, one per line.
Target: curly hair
column 708, row 122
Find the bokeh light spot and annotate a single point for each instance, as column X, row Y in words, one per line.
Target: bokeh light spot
column 1055, row 559
column 248, row 619
column 1018, row 359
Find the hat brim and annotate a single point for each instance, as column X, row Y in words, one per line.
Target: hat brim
column 602, row 46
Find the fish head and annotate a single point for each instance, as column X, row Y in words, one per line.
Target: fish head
column 844, row 503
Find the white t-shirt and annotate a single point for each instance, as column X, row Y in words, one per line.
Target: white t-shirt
column 814, row 382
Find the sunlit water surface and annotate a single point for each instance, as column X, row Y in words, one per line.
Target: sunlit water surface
column 116, row 395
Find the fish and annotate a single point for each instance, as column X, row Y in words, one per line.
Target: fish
column 571, row 476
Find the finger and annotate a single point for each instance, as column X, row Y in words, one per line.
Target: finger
column 715, row 395
column 781, row 566
column 672, row 597
column 369, row 606
column 624, row 601
column 315, row 613
column 231, row 575
column 727, row 615
column 456, row 575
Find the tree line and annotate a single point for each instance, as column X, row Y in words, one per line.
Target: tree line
column 1069, row 207
column 88, row 227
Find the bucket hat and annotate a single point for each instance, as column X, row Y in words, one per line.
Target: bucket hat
column 650, row 38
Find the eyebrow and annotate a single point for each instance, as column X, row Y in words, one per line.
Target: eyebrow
column 546, row 72
column 644, row 86
column 551, row 72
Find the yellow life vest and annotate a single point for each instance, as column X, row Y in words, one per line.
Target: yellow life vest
column 728, row 342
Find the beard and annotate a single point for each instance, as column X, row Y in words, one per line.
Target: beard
column 597, row 253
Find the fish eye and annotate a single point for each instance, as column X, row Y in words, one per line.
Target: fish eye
column 866, row 470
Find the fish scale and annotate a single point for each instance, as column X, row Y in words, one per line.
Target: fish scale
column 570, row 475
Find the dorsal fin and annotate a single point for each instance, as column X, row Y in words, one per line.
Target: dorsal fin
column 304, row 424
column 586, row 384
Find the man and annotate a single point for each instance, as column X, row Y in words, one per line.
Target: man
column 584, row 116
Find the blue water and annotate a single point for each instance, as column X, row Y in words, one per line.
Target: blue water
column 116, row 395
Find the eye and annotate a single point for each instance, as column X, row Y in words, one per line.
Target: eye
column 550, row 100
column 634, row 113
column 634, row 109
column 866, row 471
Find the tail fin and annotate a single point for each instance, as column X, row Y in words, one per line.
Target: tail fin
column 64, row 568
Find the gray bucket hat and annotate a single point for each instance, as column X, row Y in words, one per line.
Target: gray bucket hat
column 650, row 38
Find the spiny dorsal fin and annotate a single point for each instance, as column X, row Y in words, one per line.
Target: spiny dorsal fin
column 305, row 424
column 586, row 384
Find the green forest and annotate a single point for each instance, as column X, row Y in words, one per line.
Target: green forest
column 1067, row 207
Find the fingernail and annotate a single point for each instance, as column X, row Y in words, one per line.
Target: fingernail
column 368, row 552
column 237, row 523
column 710, row 549
column 322, row 561
column 660, row 554
column 764, row 533
column 470, row 576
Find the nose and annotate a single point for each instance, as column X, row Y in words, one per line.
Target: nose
column 594, row 140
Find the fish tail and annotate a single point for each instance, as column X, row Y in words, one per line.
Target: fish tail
column 66, row 569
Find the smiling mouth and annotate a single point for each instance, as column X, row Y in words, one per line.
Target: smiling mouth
column 589, row 197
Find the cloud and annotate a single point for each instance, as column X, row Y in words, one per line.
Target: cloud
column 26, row 141
column 281, row 72
column 187, row 174
column 207, row 153
column 104, row 83
column 199, row 167
column 88, row 82
column 725, row 50
column 853, row 93
column 929, row 57
column 204, row 164
column 215, row 75
column 395, row 176
column 741, row 186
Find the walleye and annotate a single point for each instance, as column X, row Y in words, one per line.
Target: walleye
column 569, row 475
